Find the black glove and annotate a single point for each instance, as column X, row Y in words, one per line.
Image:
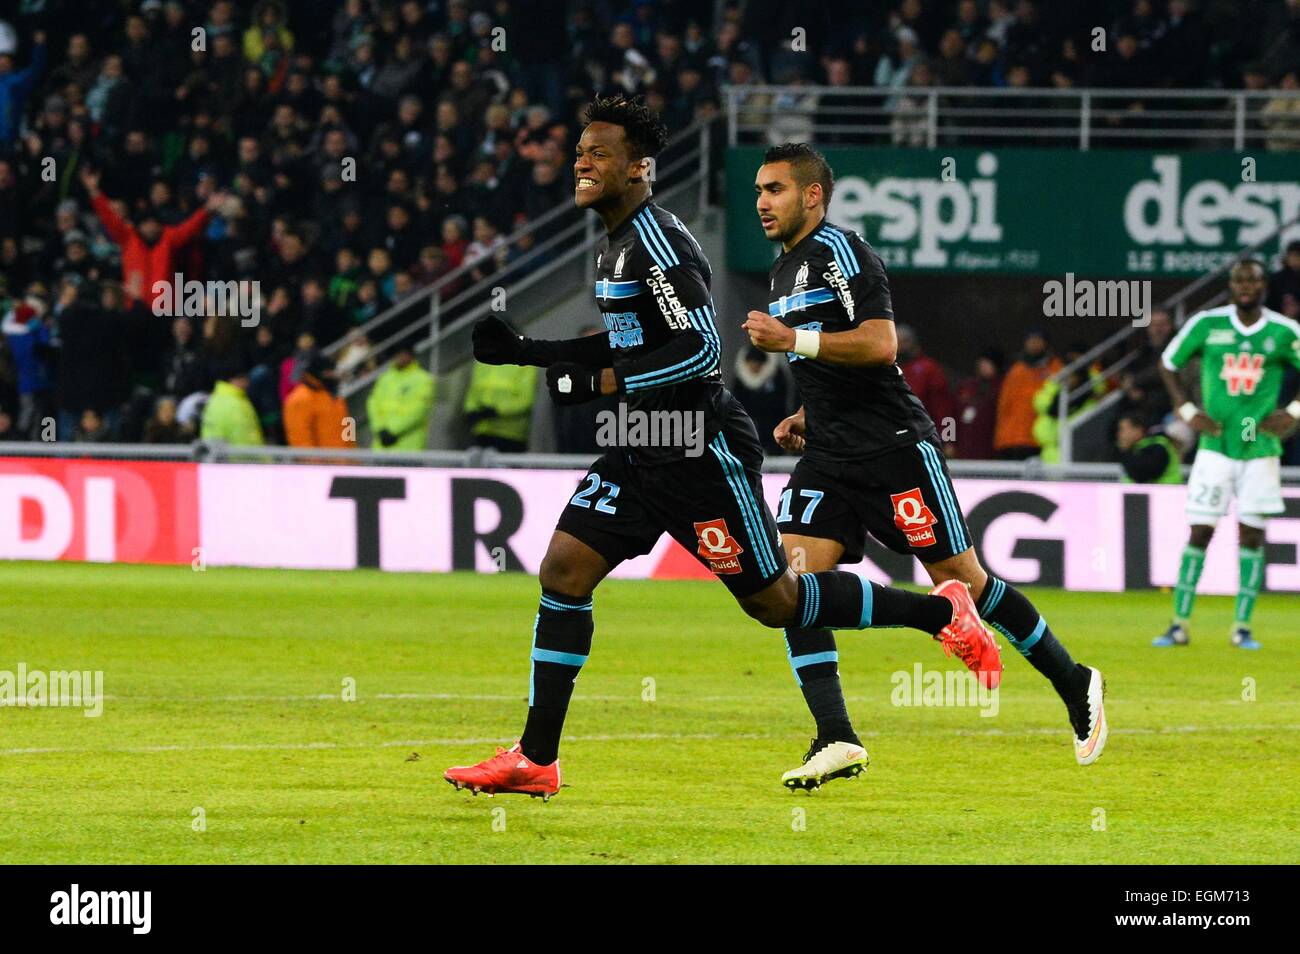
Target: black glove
column 571, row 383
column 495, row 342
column 387, row 438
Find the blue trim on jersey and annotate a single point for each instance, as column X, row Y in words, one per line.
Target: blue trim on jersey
column 553, row 604
column 868, row 602
column 695, row 366
column 734, row 472
column 610, row 289
column 654, row 228
column 701, row 320
column 838, row 240
column 943, row 492
column 656, row 243
column 655, row 253
column 701, row 363
column 996, row 590
column 788, row 303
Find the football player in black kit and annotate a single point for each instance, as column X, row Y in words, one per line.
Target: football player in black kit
column 872, row 462
column 661, row 357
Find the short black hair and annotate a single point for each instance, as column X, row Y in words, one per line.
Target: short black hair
column 808, row 165
column 646, row 135
column 1251, row 260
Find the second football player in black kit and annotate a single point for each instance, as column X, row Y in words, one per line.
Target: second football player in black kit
column 661, row 356
column 872, row 461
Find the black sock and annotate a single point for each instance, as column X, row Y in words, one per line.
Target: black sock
column 1008, row 611
column 561, row 644
column 816, row 669
column 841, row 600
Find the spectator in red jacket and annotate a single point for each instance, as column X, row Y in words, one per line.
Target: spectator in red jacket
column 928, row 382
column 149, row 249
column 977, row 403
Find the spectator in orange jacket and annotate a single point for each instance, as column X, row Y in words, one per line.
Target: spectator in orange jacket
column 1014, row 437
column 314, row 415
column 149, row 249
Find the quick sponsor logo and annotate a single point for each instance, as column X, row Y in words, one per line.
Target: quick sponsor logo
column 914, row 518
column 718, row 547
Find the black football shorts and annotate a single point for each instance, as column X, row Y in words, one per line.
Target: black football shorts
column 711, row 504
column 904, row 498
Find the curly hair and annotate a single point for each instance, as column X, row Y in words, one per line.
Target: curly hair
column 646, row 135
column 807, row 164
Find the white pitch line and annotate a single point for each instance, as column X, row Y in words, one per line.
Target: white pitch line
column 629, row 737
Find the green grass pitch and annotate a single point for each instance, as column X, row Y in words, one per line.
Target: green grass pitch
column 224, row 713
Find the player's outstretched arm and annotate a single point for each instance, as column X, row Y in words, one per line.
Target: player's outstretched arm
column 495, row 342
column 686, row 356
column 873, row 342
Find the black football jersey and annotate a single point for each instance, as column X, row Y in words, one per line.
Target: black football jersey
column 831, row 281
column 652, row 288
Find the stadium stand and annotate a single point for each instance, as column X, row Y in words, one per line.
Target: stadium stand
column 347, row 154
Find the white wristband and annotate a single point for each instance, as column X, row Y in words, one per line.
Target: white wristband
column 1294, row 409
column 1187, row 411
column 807, row 343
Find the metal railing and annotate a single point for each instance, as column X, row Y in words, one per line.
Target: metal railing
column 953, row 115
column 542, row 249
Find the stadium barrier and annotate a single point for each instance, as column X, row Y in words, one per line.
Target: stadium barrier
column 1080, row 535
column 1081, row 118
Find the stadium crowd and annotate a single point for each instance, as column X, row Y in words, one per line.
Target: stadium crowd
column 346, row 154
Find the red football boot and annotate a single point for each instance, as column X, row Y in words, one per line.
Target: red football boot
column 507, row 771
column 966, row 635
